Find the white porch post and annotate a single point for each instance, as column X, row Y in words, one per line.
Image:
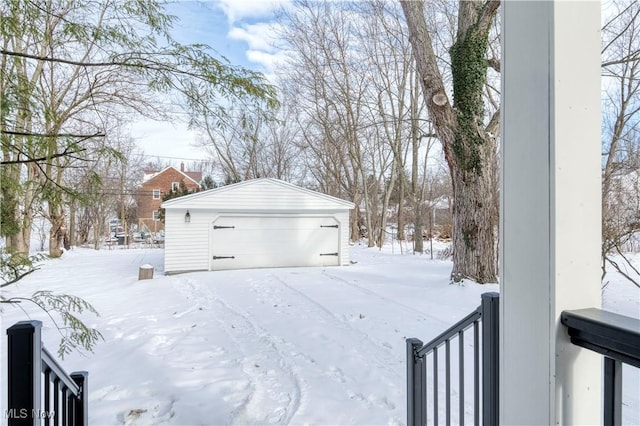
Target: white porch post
column 550, row 209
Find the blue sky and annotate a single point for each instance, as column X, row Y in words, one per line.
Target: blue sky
column 240, row 31
column 206, row 22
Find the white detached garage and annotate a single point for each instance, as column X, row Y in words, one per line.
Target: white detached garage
column 258, row 223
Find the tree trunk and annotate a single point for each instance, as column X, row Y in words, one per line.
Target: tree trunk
column 385, row 204
column 474, row 223
column 72, row 224
column 418, row 241
column 401, row 218
column 469, row 149
column 56, row 234
column 354, row 227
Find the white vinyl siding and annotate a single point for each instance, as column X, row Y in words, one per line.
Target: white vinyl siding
column 345, row 233
column 186, row 244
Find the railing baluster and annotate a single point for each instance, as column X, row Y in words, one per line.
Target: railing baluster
column 82, row 405
column 447, row 384
column 72, row 409
column 612, row 392
column 416, row 384
column 461, row 377
column 56, row 401
column 476, row 373
column 47, row 396
column 435, row 386
column 490, row 358
column 65, row 414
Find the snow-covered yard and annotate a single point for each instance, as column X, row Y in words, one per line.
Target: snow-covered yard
column 262, row 346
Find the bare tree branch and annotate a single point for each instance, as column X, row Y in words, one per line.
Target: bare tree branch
column 52, row 135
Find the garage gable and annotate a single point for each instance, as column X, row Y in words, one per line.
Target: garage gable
column 259, row 195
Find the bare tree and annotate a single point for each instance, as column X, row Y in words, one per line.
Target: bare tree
column 282, row 150
column 621, row 132
column 387, row 53
column 239, row 148
column 329, row 97
column 467, row 134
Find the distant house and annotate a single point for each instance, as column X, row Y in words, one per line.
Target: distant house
column 156, row 185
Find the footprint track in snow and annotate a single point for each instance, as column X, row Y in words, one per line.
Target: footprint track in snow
column 275, row 394
column 423, row 315
column 251, row 337
column 362, row 340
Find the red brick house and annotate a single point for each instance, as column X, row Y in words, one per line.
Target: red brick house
column 156, row 185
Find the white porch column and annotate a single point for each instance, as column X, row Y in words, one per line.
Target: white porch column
column 550, row 209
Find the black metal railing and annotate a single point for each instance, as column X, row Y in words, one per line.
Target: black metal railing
column 39, row 391
column 615, row 336
column 485, row 328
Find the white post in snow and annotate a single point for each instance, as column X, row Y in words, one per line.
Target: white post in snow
column 550, row 209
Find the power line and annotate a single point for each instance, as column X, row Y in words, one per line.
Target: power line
column 173, row 158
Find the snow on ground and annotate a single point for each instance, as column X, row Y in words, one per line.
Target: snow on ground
column 261, row 346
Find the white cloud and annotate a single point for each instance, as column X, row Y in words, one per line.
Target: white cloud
column 258, row 36
column 268, row 60
column 238, row 10
column 261, row 39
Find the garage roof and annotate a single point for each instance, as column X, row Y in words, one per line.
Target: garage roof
column 265, row 194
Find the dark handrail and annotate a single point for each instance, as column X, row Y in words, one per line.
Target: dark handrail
column 615, row 336
column 610, row 334
column 452, row 331
column 48, row 362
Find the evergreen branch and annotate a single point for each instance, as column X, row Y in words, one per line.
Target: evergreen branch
column 75, row 334
column 65, row 61
column 235, row 79
column 18, row 278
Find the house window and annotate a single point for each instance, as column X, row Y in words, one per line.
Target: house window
column 156, row 194
column 175, row 186
column 156, row 215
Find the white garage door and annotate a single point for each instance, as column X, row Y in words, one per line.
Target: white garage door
column 269, row 241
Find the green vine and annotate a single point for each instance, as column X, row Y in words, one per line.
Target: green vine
column 469, row 71
column 470, row 235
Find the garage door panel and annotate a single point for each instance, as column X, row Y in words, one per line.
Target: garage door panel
column 268, row 240
column 255, row 224
column 256, row 242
